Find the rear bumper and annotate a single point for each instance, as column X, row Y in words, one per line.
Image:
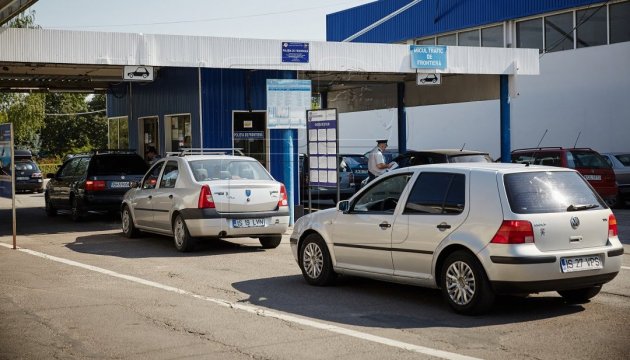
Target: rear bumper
column 29, row 185
column 210, row 223
column 102, row 202
column 506, row 287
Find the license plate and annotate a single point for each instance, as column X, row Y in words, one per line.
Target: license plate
column 245, row 223
column 361, row 171
column 580, row 263
column 23, row 178
column 593, row 177
column 119, row 184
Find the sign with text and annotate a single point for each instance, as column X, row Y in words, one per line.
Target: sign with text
column 295, row 52
column 287, row 102
column 322, row 147
column 428, row 57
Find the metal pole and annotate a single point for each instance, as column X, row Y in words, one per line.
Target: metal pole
column 506, row 155
column 402, row 119
column 13, row 177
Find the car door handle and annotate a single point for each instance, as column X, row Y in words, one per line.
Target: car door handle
column 444, row 226
column 385, row 225
column 170, row 196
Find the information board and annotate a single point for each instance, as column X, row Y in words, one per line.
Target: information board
column 287, row 102
column 295, row 52
column 322, row 147
column 6, row 160
column 428, row 56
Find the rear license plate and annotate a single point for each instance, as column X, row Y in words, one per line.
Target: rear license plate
column 245, row 223
column 119, row 184
column 593, row 177
column 580, row 263
column 23, row 178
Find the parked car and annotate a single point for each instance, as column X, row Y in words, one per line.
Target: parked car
column 188, row 196
column 439, row 156
column 346, row 184
column 93, row 182
column 28, row 176
column 587, row 161
column 473, row 230
column 620, row 163
column 357, row 164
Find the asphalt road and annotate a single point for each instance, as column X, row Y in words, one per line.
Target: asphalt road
column 85, row 291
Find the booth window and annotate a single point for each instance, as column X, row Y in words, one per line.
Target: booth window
column 559, row 32
column 492, row 36
column 118, row 133
column 178, row 132
column 429, row 41
column 449, row 40
column 529, row 34
column 591, row 27
column 468, row 38
column 620, row 22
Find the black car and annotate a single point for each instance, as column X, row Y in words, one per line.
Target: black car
column 357, row 164
column 346, row 184
column 140, row 71
column 93, row 182
column 424, row 157
column 28, row 176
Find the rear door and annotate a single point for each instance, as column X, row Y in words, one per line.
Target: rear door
column 564, row 211
column 59, row 186
column 143, row 199
column 164, row 197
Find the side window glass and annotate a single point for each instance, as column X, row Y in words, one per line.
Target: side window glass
column 82, row 166
column 68, row 169
column 150, row 179
column 382, row 197
column 570, row 160
column 437, row 193
column 170, row 174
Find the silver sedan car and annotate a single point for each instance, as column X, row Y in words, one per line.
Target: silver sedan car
column 216, row 196
column 473, row 230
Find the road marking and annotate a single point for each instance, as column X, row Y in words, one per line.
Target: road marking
column 625, row 267
column 258, row 310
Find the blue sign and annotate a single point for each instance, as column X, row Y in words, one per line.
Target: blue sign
column 428, row 57
column 295, row 52
column 6, row 148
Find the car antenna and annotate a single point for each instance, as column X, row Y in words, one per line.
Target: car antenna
column 541, row 139
column 576, row 140
column 462, row 147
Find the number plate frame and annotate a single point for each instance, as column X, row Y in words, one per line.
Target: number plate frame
column 248, row 223
column 581, row 263
column 22, row 178
column 119, row 184
column 593, row 177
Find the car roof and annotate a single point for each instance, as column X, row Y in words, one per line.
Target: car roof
column 486, row 167
column 207, row 157
column 552, row 148
column 450, row 152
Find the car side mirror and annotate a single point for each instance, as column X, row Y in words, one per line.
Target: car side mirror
column 343, row 206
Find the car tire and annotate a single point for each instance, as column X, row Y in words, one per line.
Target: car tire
column 580, row 296
column 270, row 242
column 181, row 237
column 75, row 210
column 315, row 261
column 50, row 209
column 128, row 228
column 464, row 284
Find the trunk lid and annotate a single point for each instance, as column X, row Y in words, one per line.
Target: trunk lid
column 242, row 196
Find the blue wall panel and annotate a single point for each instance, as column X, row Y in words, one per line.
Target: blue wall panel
column 431, row 17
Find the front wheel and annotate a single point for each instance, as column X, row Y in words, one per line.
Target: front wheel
column 128, row 228
column 315, row 261
column 183, row 241
column 580, row 296
column 50, row 209
column 270, row 242
column 464, row 284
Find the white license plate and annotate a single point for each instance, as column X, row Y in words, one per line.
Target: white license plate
column 581, row 263
column 361, row 171
column 245, row 223
column 593, row 177
column 23, row 178
column 119, row 184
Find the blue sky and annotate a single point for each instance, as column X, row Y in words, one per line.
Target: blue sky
column 268, row 19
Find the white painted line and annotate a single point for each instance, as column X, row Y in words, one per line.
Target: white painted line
column 260, row 311
column 625, row 267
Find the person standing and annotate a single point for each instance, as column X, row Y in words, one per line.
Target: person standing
column 152, row 155
column 376, row 160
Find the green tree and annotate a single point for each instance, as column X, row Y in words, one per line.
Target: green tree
column 26, row 112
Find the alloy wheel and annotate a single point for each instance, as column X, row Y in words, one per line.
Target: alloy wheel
column 313, row 260
column 460, row 283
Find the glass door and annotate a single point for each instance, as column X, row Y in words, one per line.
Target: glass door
column 249, row 132
column 178, row 132
column 148, row 128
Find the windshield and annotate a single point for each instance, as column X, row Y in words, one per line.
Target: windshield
column 478, row 158
column 549, row 192
column 624, row 158
column 228, row 169
column 356, row 161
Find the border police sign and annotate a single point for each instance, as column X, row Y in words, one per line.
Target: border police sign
column 428, row 57
column 295, row 52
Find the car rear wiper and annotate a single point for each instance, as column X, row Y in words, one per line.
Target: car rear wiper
column 581, row 207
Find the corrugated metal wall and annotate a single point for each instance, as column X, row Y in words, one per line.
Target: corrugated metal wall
column 431, row 17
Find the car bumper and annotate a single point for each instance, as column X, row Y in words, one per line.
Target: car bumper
column 523, row 268
column 29, row 185
column 209, row 223
column 102, row 202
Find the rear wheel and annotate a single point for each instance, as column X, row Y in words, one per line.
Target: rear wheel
column 270, row 242
column 183, row 241
column 128, row 228
column 464, row 283
column 50, row 209
column 315, row 261
column 580, row 296
column 76, row 213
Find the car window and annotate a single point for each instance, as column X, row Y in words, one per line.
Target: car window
column 479, row 158
column 437, row 193
column 383, row 196
column 624, row 158
column 117, row 164
column 170, row 174
column 25, row 166
column 587, row 159
column 548, row 192
column 81, row 168
column 150, row 179
column 228, row 169
column 69, row 168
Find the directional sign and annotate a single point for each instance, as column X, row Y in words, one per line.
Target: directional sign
column 428, row 57
column 138, row 73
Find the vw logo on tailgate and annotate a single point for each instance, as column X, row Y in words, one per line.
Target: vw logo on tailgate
column 575, row 222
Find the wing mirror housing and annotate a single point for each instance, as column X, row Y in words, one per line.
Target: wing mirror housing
column 134, row 184
column 343, row 206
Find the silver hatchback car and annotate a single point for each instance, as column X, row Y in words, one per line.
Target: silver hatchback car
column 473, row 230
column 220, row 196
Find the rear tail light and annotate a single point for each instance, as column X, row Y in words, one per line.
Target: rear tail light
column 514, row 232
column 612, row 226
column 205, row 198
column 95, row 185
column 283, row 196
column 36, row 175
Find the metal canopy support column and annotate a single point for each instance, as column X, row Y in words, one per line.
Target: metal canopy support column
column 402, row 119
column 505, row 119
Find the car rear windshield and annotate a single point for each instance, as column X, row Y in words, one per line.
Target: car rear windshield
column 356, row 161
column 228, row 169
column 479, row 158
column 26, row 166
column 624, row 158
column 117, row 164
column 586, row 159
column 549, row 192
